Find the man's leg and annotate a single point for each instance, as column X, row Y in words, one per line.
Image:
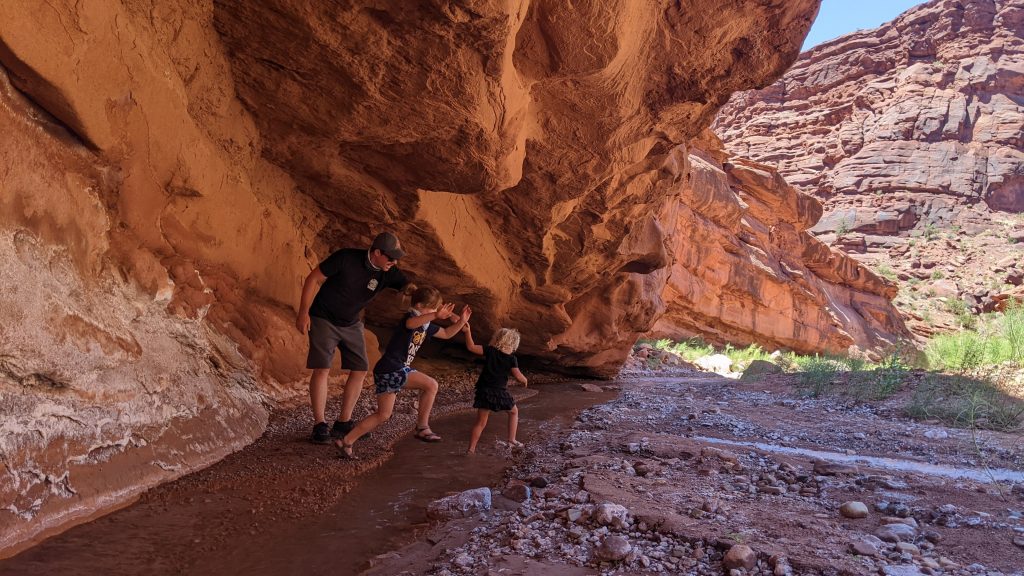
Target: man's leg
column 318, row 394
column 353, row 386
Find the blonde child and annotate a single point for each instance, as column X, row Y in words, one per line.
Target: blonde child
column 492, row 387
column 392, row 372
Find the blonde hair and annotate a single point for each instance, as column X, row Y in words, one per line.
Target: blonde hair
column 426, row 296
column 506, row 340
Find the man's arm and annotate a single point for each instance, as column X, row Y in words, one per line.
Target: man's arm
column 470, row 345
column 446, row 333
column 309, row 288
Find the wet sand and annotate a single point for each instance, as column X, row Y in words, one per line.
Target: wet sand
column 286, row 506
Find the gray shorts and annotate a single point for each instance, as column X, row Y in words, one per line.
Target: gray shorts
column 325, row 336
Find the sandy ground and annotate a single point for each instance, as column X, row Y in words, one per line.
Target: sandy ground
column 659, row 481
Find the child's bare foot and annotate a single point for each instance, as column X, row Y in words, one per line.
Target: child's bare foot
column 515, row 444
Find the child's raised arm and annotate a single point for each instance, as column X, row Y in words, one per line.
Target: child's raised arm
column 446, row 333
column 470, row 345
column 519, row 376
column 414, row 322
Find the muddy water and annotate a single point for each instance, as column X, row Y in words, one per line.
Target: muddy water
column 382, row 512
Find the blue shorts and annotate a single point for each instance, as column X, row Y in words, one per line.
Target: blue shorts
column 391, row 382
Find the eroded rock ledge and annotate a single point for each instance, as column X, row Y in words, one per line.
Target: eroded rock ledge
column 172, row 171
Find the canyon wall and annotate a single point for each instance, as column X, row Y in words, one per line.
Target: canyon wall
column 172, row 171
column 745, row 269
column 912, row 135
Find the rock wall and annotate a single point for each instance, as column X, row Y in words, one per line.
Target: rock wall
column 912, row 135
column 745, row 270
column 924, row 111
column 171, row 171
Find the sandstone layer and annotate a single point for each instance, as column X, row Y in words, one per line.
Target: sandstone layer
column 745, row 270
column 172, row 171
column 909, row 133
column 926, row 108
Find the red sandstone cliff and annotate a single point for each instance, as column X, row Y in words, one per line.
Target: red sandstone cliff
column 170, row 173
column 745, row 270
column 912, row 136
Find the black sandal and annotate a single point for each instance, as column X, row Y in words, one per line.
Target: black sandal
column 427, row 435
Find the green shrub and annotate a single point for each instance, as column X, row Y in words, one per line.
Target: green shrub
column 966, row 402
column 964, row 316
column 1013, row 330
column 960, row 351
column 886, row 272
column 815, row 374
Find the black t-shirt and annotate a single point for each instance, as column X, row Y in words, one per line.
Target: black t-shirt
column 351, row 283
column 403, row 345
column 497, row 368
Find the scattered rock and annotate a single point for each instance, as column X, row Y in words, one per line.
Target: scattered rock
column 863, row 548
column 896, row 533
column 588, row 387
column 758, row 368
column 854, row 509
column 608, row 514
column 740, row 556
column 717, row 363
column 903, row 570
column 613, row 548
column 824, row 468
column 516, row 491
column 460, row 505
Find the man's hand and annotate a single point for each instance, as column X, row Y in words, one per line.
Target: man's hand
column 302, row 323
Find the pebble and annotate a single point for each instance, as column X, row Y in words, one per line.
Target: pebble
column 896, row 533
column 740, row 556
column 611, row 514
column 614, row 547
column 906, row 570
column 516, row 491
column 907, row 547
column 854, row 509
column 460, row 505
column 863, row 548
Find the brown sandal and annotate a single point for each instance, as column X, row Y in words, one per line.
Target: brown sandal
column 345, row 450
column 426, row 435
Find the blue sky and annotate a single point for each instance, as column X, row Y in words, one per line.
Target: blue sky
column 838, row 17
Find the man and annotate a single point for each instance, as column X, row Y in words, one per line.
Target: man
column 351, row 278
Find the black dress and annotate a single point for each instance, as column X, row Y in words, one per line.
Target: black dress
column 492, row 386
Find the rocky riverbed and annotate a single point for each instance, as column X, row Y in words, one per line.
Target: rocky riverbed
column 698, row 474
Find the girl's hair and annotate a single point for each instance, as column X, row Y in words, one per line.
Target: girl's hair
column 506, row 340
column 426, row 296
